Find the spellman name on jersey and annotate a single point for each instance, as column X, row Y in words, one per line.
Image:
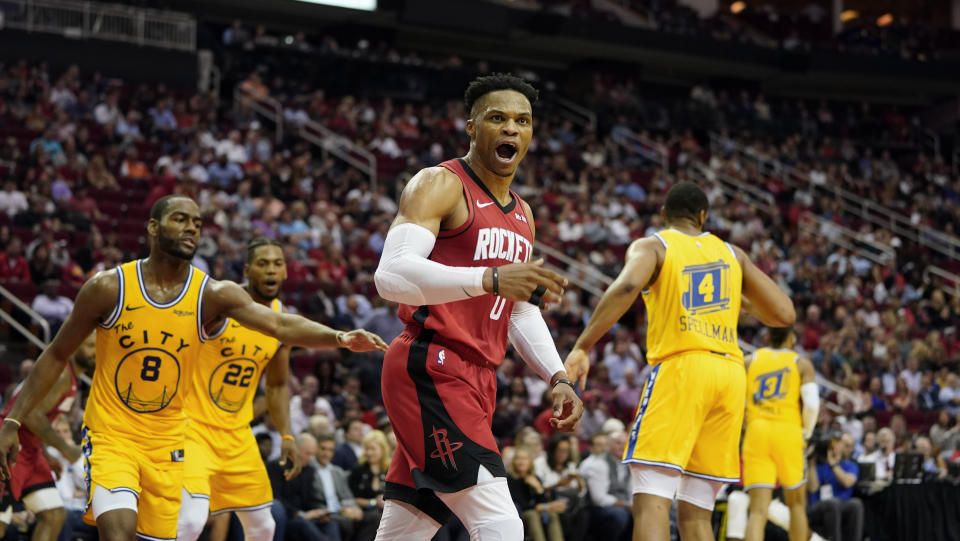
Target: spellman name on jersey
column 498, row 243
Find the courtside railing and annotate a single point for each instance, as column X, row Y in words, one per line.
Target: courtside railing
column 861, row 207
column 644, row 147
column 329, row 141
column 12, row 321
column 96, row 20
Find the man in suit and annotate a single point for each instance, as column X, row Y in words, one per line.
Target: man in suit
column 308, row 516
column 333, row 493
column 348, row 452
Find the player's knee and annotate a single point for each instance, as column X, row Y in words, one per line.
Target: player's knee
column 261, row 531
column 498, row 528
column 54, row 517
column 190, row 524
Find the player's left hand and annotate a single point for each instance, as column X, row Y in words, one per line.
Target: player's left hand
column 289, row 453
column 362, row 340
column 567, row 408
column 577, row 366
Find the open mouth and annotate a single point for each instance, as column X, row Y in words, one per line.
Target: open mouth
column 506, row 151
column 271, row 283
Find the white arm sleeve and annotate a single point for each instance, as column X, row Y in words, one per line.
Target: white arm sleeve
column 810, row 396
column 405, row 275
column 531, row 338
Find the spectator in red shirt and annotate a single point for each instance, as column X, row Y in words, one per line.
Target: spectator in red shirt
column 13, row 265
column 814, row 328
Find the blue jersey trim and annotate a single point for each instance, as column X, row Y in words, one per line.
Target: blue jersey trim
column 115, row 315
column 796, row 486
column 712, row 477
column 201, row 332
column 241, row 509
column 155, row 304
column 661, row 239
column 146, row 537
column 198, row 495
column 644, row 402
column 124, row 489
column 654, row 463
column 748, row 488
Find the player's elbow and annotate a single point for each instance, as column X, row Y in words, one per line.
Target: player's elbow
column 785, row 315
column 393, row 286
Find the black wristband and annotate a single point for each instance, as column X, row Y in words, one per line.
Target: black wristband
column 563, row 380
column 496, row 282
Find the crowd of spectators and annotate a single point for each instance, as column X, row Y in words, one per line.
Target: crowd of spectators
column 768, row 25
column 82, row 157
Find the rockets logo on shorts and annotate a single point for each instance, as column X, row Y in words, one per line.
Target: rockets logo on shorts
column 445, row 447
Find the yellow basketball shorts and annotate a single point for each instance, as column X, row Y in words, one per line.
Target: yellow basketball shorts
column 224, row 465
column 150, row 468
column 773, row 453
column 689, row 417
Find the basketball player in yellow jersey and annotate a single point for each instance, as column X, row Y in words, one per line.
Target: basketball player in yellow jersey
column 685, row 438
column 777, row 381
column 223, row 471
column 151, row 318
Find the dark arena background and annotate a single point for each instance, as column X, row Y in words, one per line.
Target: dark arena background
column 824, row 133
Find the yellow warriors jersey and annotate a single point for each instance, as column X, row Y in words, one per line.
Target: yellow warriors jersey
column 773, row 387
column 694, row 303
column 224, row 379
column 143, row 352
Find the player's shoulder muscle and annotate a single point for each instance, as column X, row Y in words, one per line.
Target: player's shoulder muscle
column 99, row 295
column 435, row 188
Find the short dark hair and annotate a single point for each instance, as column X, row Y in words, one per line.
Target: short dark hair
column 779, row 335
column 481, row 86
column 257, row 243
column 160, row 207
column 263, row 436
column 685, row 200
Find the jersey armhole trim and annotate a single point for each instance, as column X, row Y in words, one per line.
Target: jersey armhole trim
column 115, row 315
column 732, row 251
column 661, row 239
column 201, row 332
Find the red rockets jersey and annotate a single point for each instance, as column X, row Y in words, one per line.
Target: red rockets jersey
column 62, row 406
column 492, row 236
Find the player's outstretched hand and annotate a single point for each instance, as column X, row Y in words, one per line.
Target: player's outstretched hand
column 289, row 454
column 361, row 340
column 9, row 447
column 567, row 408
column 528, row 282
column 577, row 366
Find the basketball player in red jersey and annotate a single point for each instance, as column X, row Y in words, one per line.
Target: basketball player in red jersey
column 457, row 260
column 31, row 480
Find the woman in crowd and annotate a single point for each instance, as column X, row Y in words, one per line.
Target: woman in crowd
column 367, row 481
column 557, row 469
column 541, row 520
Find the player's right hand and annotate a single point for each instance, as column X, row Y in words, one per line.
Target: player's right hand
column 518, row 281
column 289, row 453
column 9, row 447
